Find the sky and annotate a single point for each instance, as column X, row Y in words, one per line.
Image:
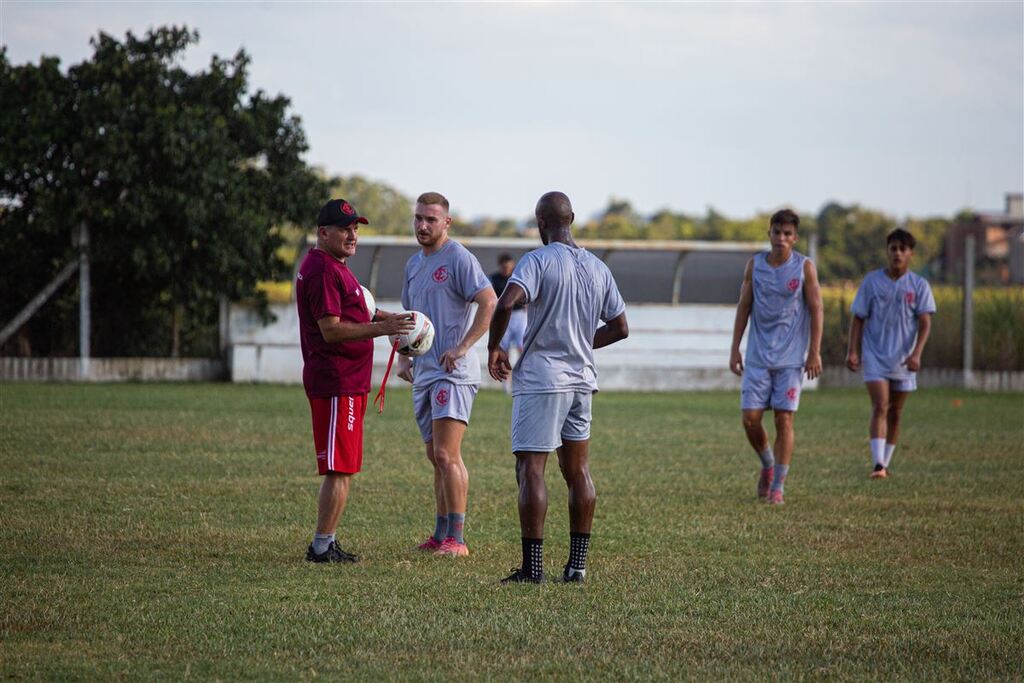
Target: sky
column 915, row 109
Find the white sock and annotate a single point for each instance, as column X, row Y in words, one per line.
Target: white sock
column 889, row 448
column 878, row 452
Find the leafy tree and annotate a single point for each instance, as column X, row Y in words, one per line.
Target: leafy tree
column 618, row 221
column 665, row 225
column 851, row 240
column 388, row 210
column 750, row 230
column 493, row 227
column 930, row 234
column 180, row 177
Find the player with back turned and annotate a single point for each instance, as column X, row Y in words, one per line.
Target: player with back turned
column 781, row 298
column 570, row 292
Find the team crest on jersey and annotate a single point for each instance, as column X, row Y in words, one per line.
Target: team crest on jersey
column 909, row 297
column 441, row 397
column 347, row 209
column 792, row 393
column 441, row 274
column 793, row 284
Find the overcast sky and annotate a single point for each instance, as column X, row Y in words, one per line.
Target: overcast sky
column 912, row 108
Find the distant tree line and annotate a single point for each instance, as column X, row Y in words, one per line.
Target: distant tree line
column 851, row 239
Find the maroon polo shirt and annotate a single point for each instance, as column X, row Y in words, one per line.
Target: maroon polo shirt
column 326, row 286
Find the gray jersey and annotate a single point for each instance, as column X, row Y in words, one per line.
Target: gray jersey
column 569, row 291
column 889, row 309
column 442, row 287
column 780, row 328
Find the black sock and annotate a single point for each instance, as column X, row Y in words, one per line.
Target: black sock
column 578, row 546
column 533, row 557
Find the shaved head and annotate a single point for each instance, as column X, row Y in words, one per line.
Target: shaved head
column 555, row 209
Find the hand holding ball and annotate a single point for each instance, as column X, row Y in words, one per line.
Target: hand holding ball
column 418, row 340
column 371, row 303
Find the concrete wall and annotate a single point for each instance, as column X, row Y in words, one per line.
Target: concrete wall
column 111, row 370
column 669, row 348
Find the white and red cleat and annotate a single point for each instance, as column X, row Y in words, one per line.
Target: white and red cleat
column 429, row 545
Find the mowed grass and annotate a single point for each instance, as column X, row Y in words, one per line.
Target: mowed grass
column 158, row 531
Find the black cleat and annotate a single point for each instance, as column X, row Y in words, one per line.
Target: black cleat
column 518, row 576
column 334, row 553
column 570, row 575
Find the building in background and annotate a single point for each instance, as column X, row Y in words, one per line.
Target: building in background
column 999, row 236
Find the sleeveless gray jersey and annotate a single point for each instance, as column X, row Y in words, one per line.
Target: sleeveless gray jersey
column 780, row 328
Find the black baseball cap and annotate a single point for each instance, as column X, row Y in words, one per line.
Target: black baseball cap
column 340, row 213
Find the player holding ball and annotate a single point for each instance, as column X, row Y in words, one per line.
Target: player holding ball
column 443, row 281
column 336, row 330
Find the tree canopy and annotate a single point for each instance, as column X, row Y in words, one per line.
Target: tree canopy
column 182, row 179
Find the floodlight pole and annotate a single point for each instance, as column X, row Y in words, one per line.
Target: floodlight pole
column 968, row 312
column 84, row 295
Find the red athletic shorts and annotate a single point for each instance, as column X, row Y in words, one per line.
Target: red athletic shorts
column 338, row 432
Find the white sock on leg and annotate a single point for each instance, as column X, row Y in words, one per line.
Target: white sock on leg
column 878, row 452
column 889, row 448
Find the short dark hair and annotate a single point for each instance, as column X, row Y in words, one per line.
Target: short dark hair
column 785, row 217
column 901, row 236
column 428, row 198
column 505, row 258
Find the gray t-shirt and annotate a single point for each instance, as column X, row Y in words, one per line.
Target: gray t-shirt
column 889, row 309
column 780, row 328
column 442, row 287
column 569, row 292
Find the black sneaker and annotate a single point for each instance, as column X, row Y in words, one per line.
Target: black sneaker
column 334, row 553
column 570, row 575
column 518, row 576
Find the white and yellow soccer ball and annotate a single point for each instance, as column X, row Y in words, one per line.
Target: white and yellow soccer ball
column 418, row 340
column 371, row 303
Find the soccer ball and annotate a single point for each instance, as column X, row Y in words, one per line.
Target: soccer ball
column 418, row 340
column 371, row 303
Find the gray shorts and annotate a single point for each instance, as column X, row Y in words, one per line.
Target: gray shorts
column 901, row 385
column 441, row 400
column 540, row 422
column 763, row 388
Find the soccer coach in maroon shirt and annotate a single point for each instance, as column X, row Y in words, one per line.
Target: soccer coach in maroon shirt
column 336, row 331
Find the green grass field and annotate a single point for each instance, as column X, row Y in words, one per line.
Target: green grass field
column 158, row 531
